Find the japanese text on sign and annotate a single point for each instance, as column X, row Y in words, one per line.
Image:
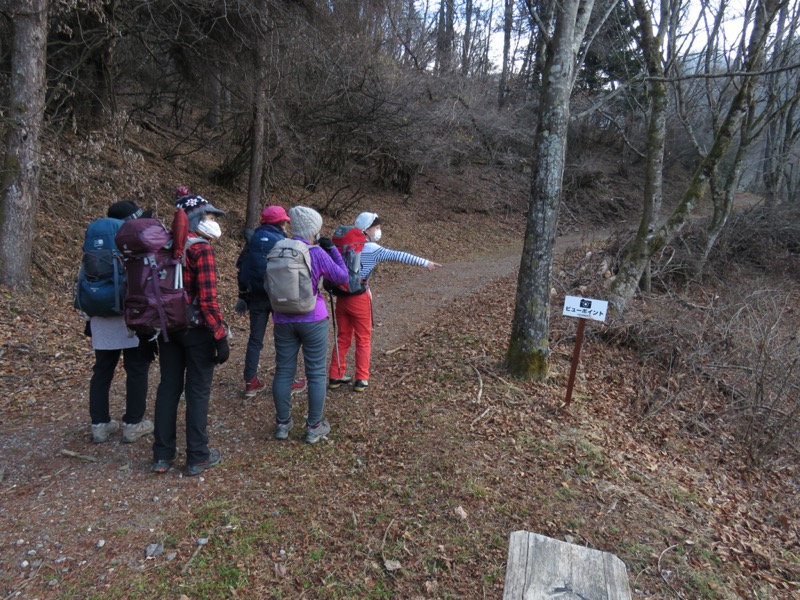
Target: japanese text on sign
column 585, row 308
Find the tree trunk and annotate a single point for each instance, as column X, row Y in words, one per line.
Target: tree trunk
column 466, row 49
column 258, row 140
column 507, row 22
column 529, row 348
column 656, row 139
column 20, row 185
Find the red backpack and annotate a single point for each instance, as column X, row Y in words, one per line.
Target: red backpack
column 350, row 240
column 155, row 299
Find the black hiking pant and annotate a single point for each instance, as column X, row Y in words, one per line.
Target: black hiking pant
column 187, row 364
column 137, row 363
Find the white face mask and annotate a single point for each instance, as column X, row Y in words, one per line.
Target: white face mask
column 376, row 235
column 210, row 228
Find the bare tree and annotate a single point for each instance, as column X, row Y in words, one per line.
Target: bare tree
column 508, row 20
column 782, row 87
column 20, row 183
column 258, row 138
column 653, row 235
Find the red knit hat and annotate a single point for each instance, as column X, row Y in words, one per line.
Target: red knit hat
column 274, row 215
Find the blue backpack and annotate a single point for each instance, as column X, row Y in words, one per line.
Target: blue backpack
column 100, row 287
column 252, row 263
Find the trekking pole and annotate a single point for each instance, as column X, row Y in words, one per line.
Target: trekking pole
column 335, row 334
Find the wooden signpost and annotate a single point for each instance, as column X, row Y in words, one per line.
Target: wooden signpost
column 585, row 309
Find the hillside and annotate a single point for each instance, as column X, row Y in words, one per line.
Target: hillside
column 433, row 467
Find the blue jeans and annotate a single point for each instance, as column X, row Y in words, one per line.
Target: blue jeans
column 289, row 337
column 259, row 308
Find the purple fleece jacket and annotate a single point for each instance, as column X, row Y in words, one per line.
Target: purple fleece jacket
column 331, row 267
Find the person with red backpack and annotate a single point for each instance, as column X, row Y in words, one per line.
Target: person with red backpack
column 112, row 339
column 354, row 311
column 188, row 359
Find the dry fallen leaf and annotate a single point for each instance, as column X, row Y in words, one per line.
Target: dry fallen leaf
column 392, row 565
column 462, row 514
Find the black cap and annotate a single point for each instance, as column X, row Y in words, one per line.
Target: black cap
column 127, row 209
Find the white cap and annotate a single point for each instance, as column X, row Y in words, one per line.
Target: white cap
column 365, row 220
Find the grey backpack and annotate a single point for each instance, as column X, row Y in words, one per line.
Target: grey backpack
column 288, row 281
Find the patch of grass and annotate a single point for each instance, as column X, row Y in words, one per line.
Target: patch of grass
column 316, row 554
column 705, row 584
column 475, row 489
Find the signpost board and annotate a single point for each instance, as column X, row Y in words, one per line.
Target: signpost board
column 585, row 309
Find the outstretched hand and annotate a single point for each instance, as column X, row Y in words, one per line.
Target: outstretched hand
column 432, row 265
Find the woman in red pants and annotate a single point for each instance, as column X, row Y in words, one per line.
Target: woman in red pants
column 354, row 313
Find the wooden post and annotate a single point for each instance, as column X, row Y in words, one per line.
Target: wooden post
column 576, row 354
column 542, row 567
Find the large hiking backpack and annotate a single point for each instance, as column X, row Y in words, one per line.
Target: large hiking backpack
column 253, row 259
column 101, row 280
column 289, row 282
column 155, row 299
column 350, row 241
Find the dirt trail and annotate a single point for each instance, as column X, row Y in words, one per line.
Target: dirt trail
column 404, row 307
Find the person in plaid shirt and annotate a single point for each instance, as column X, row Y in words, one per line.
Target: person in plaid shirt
column 187, row 360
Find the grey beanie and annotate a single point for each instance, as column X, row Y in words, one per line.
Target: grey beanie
column 306, row 222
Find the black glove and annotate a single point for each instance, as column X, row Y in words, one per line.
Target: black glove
column 241, row 306
column 326, row 244
column 223, row 350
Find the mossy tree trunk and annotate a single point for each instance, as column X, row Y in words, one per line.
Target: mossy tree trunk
column 20, row 182
column 529, row 347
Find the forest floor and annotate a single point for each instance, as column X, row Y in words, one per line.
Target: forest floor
column 423, row 477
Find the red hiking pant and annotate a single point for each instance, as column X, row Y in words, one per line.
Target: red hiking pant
column 353, row 317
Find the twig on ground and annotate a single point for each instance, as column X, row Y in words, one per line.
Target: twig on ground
column 661, row 573
column 191, row 558
column 72, row 454
column 480, row 381
column 383, row 543
column 393, row 350
column 480, row 416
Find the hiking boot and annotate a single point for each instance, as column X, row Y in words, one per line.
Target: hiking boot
column 133, row 431
column 319, row 432
column 253, row 386
column 282, row 429
column 101, row 432
column 163, row 465
column 360, row 385
column 335, row 383
column 214, row 458
column 298, row 386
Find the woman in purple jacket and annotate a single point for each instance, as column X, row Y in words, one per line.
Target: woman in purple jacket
column 309, row 331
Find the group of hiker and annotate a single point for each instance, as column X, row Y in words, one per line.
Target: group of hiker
column 148, row 290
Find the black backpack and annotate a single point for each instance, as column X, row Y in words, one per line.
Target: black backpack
column 100, row 287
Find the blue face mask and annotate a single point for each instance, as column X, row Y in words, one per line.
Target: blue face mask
column 377, row 235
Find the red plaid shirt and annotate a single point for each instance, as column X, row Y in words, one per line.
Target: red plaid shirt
column 200, row 281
